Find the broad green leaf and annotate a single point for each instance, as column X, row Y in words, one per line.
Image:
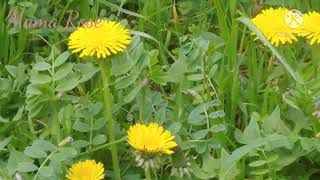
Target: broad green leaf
column 200, row 173
column 41, row 66
column 63, row 71
column 5, row 87
column 87, row 71
column 177, row 70
column 175, row 127
column 35, row 109
column 273, row 123
column 218, row 128
column 61, row 59
column 199, row 134
column 12, row 70
column 133, row 93
column 14, row 159
column 308, row 144
column 99, row 139
column 197, row 116
column 64, row 154
column 80, row 126
column 227, row 171
column 125, row 81
column 34, row 152
column 4, row 142
column 68, row 83
column 26, row 167
column 195, row 77
column 251, row 132
column 201, row 147
column 258, row 172
column 43, row 145
column 79, row 144
column 4, row 120
column 258, row 163
column 46, row 171
column 99, row 123
column 217, row 114
column 40, row 79
column 32, row 89
column 158, row 75
column 270, row 140
column 121, row 63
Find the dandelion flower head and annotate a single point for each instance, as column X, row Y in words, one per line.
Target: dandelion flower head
column 151, row 139
column 86, row 170
column 101, row 38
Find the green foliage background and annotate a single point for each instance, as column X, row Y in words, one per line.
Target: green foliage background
column 239, row 108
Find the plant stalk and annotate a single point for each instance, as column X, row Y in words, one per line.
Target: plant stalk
column 105, row 69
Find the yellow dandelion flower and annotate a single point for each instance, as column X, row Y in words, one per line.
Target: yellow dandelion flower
column 86, row 170
column 311, row 27
column 272, row 23
column 151, row 139
column 101, row 38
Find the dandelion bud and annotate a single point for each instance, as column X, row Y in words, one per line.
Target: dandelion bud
column 65, row 141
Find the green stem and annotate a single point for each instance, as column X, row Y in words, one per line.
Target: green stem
column 143, row 95
column 64, row 11
column 179, row 101
column 104, row 146
column 56, row 123
column 105, row 67
column 147, row 173
column 32, row 131
column 44, row 162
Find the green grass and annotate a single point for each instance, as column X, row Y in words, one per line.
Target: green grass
column 239, row 108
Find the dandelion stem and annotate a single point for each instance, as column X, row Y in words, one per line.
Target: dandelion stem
column 105, row 67
column 143, row 94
